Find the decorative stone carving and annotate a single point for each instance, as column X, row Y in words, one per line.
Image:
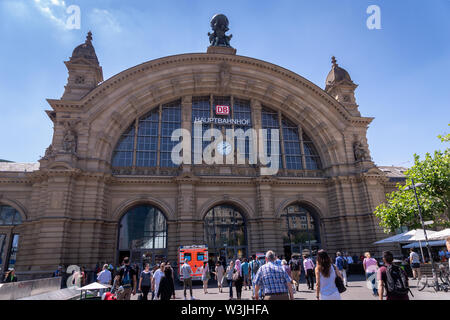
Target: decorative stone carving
column 69, row 138
column 48, row 152
column 360, row 152
column 224, row 75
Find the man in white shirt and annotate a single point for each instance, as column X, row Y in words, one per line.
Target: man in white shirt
column 157, row 279
column 104, row 277
column 414, row 260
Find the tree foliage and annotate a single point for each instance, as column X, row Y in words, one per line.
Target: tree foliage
column 400, row 209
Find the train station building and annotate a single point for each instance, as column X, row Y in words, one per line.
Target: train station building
column 108, row 185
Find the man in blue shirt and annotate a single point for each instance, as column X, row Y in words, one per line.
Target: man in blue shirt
column 276, row 281
column 340, row 264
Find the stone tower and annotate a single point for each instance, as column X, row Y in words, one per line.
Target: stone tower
column 85, row 72
column 341, row 87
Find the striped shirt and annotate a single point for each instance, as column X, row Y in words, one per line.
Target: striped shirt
column 272, row 278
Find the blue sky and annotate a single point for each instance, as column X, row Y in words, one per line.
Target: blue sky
column 402, row 70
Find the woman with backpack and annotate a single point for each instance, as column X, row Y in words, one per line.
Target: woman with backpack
column 326, row 274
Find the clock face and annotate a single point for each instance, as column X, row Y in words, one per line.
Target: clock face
column 224, row 148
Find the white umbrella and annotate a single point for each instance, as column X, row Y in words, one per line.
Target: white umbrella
column 419, row 235
column 409, row 236
column 440, row 235
column 95, row 286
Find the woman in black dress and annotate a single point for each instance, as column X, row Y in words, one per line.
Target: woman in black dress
column 166, row 287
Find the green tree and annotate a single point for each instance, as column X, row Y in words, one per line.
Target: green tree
column 400, row 209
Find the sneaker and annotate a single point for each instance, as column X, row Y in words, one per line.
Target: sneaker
column 185, row 298
column 192, row 298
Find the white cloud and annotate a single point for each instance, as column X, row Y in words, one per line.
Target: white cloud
column 55, row 10
column 105, row 20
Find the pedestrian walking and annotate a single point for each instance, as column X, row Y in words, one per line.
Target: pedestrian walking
column 186, row 272
column 254, row 267
column 126, row 278
column 104, row 277
column 166, row 286
column 326, row 274
column 276, row 282
column 342, row 266
column 414, row 260
column 246, row 274
column 308, row 266
column 295, row 267
column 172, row 273
column 370, row 266
column 238, row 278
column 157, row 276
column 393, row 279
column 205, row 276
column 229, row 274
column 219, row 275
column 145, row 281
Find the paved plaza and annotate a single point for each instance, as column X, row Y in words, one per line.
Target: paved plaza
column 357, row 290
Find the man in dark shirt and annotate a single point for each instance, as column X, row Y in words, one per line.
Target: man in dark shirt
column 388, row 259
column 127, row 278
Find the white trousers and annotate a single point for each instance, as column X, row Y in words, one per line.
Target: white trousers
column 344, row 275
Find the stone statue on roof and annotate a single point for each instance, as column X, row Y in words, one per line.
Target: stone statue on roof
column 219, row 24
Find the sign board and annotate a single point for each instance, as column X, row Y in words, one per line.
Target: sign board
column 222, row 110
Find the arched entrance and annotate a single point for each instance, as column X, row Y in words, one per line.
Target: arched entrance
column 300, row 227
column 9, row 239
column 226, row 233
column 143, row 235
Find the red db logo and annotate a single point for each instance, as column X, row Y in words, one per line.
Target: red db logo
column 222, row 110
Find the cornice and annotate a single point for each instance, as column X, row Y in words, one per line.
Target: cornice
column 193, row 58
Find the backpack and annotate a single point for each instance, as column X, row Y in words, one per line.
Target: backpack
column 126, row 279
column 255, row 268
column 397, row 281
column 345, row 264
column 295, row 265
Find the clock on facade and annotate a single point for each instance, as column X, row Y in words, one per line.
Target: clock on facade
column 224, row 148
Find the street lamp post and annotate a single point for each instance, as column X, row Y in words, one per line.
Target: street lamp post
column 433, row 270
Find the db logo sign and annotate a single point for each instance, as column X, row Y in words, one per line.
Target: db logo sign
column 222, row 110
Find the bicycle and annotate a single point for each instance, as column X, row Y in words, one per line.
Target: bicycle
column 444, row 285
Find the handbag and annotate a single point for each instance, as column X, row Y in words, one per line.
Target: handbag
column 236, row 276
column 339, row 282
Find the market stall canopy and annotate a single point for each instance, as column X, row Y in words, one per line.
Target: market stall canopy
column 440, row 235
column 94, row 286
column 438, row 243
column 409, row 236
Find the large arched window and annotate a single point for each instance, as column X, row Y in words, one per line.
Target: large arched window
column 143, row 227
column 226, row 232
column 9, row 240
column 147, row 142
column 300, row 229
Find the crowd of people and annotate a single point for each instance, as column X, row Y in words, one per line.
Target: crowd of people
column 270, row 277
